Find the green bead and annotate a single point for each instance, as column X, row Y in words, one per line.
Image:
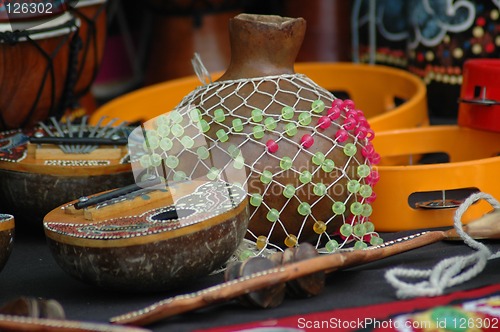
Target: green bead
column 172, row 162
column 270, row 123
column 175, row 116
column 145, row 161
column 331, row 246
column 187, row 142
column 219, row 115
column 375, row 240
column 356, row 208
column 204, row 125
column 246, row 254
column 318, row 158
column 213, row 173
column 256, row 200
column 195, row 115
column 239, row 162
column 346, row 230
column 359, row 230
column 289, row 191
column 257, row 115
column 287, row 112
column 233, row 151
column 202, row 152
column 363, row 170
column 177, row 130
column 350, row 149
column 273, row 215
column 153, row 142
column 360, row 245
column 237, row 125
column 318, row 106
column 162, row 120
column 365, row 191
column 369, row 226
column 286, row 163
column 291, row 129
column 258, row 132
column 319, row 189
column 304, row 209
column 367, row 210
column 222, row 135
column 166, row 144
column 305, row 118
column 338, row 208
column 163, row 130
column 328, row 165
column 180, row 176
column 266, row 177
column 155, row 160
column 353, row 186
column 305, row 177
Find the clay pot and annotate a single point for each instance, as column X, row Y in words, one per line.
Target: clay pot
column 6, row 237
column 287, row 131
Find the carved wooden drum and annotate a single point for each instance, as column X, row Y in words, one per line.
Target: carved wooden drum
column 6, row 237
column 34, row 56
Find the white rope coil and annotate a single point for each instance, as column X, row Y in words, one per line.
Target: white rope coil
column 450, row 271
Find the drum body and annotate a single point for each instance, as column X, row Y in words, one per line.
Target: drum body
column 92, row 33
column 33, row 70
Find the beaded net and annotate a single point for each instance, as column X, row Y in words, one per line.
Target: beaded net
column 303, row 156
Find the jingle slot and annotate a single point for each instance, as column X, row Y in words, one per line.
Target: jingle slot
column 440, row 199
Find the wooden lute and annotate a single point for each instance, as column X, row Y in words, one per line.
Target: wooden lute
column 148, row 237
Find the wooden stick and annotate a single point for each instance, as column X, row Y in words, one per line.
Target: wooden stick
column 21, row 323
column 232, row 289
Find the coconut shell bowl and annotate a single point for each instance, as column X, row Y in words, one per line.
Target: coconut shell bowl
column 6, row 238
column 148, row 237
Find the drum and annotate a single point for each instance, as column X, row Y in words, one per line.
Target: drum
column 34, row 57
column 181, row 28
column 92, row 33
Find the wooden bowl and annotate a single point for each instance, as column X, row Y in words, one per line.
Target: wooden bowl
column 6, row 237
column 150, row 239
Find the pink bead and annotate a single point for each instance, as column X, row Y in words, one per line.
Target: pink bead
column 372, row 198
column 360, row 132
column 374, row 158
column 324, row 122
column 367, row 150
column 373, row 178
column 333, row 112
column 350, row 123
column 272, row 146
column 370, row 134
column 348, row 104
column 337, row 103
column 351, row 114
column 307, row 141
column 341, row 135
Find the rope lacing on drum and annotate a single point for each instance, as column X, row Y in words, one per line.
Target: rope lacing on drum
column 13, row 37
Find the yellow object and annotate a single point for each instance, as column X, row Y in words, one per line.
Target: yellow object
column 474, row 161
column 373, row 88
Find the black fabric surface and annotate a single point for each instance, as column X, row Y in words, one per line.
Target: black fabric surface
column 32, row 271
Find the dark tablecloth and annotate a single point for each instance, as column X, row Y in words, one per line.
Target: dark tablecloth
column 32, row 271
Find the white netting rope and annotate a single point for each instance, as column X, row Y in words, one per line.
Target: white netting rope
column 182, row 133
column 450, row 271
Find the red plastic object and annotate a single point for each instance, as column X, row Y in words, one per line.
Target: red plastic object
column 480, row 95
